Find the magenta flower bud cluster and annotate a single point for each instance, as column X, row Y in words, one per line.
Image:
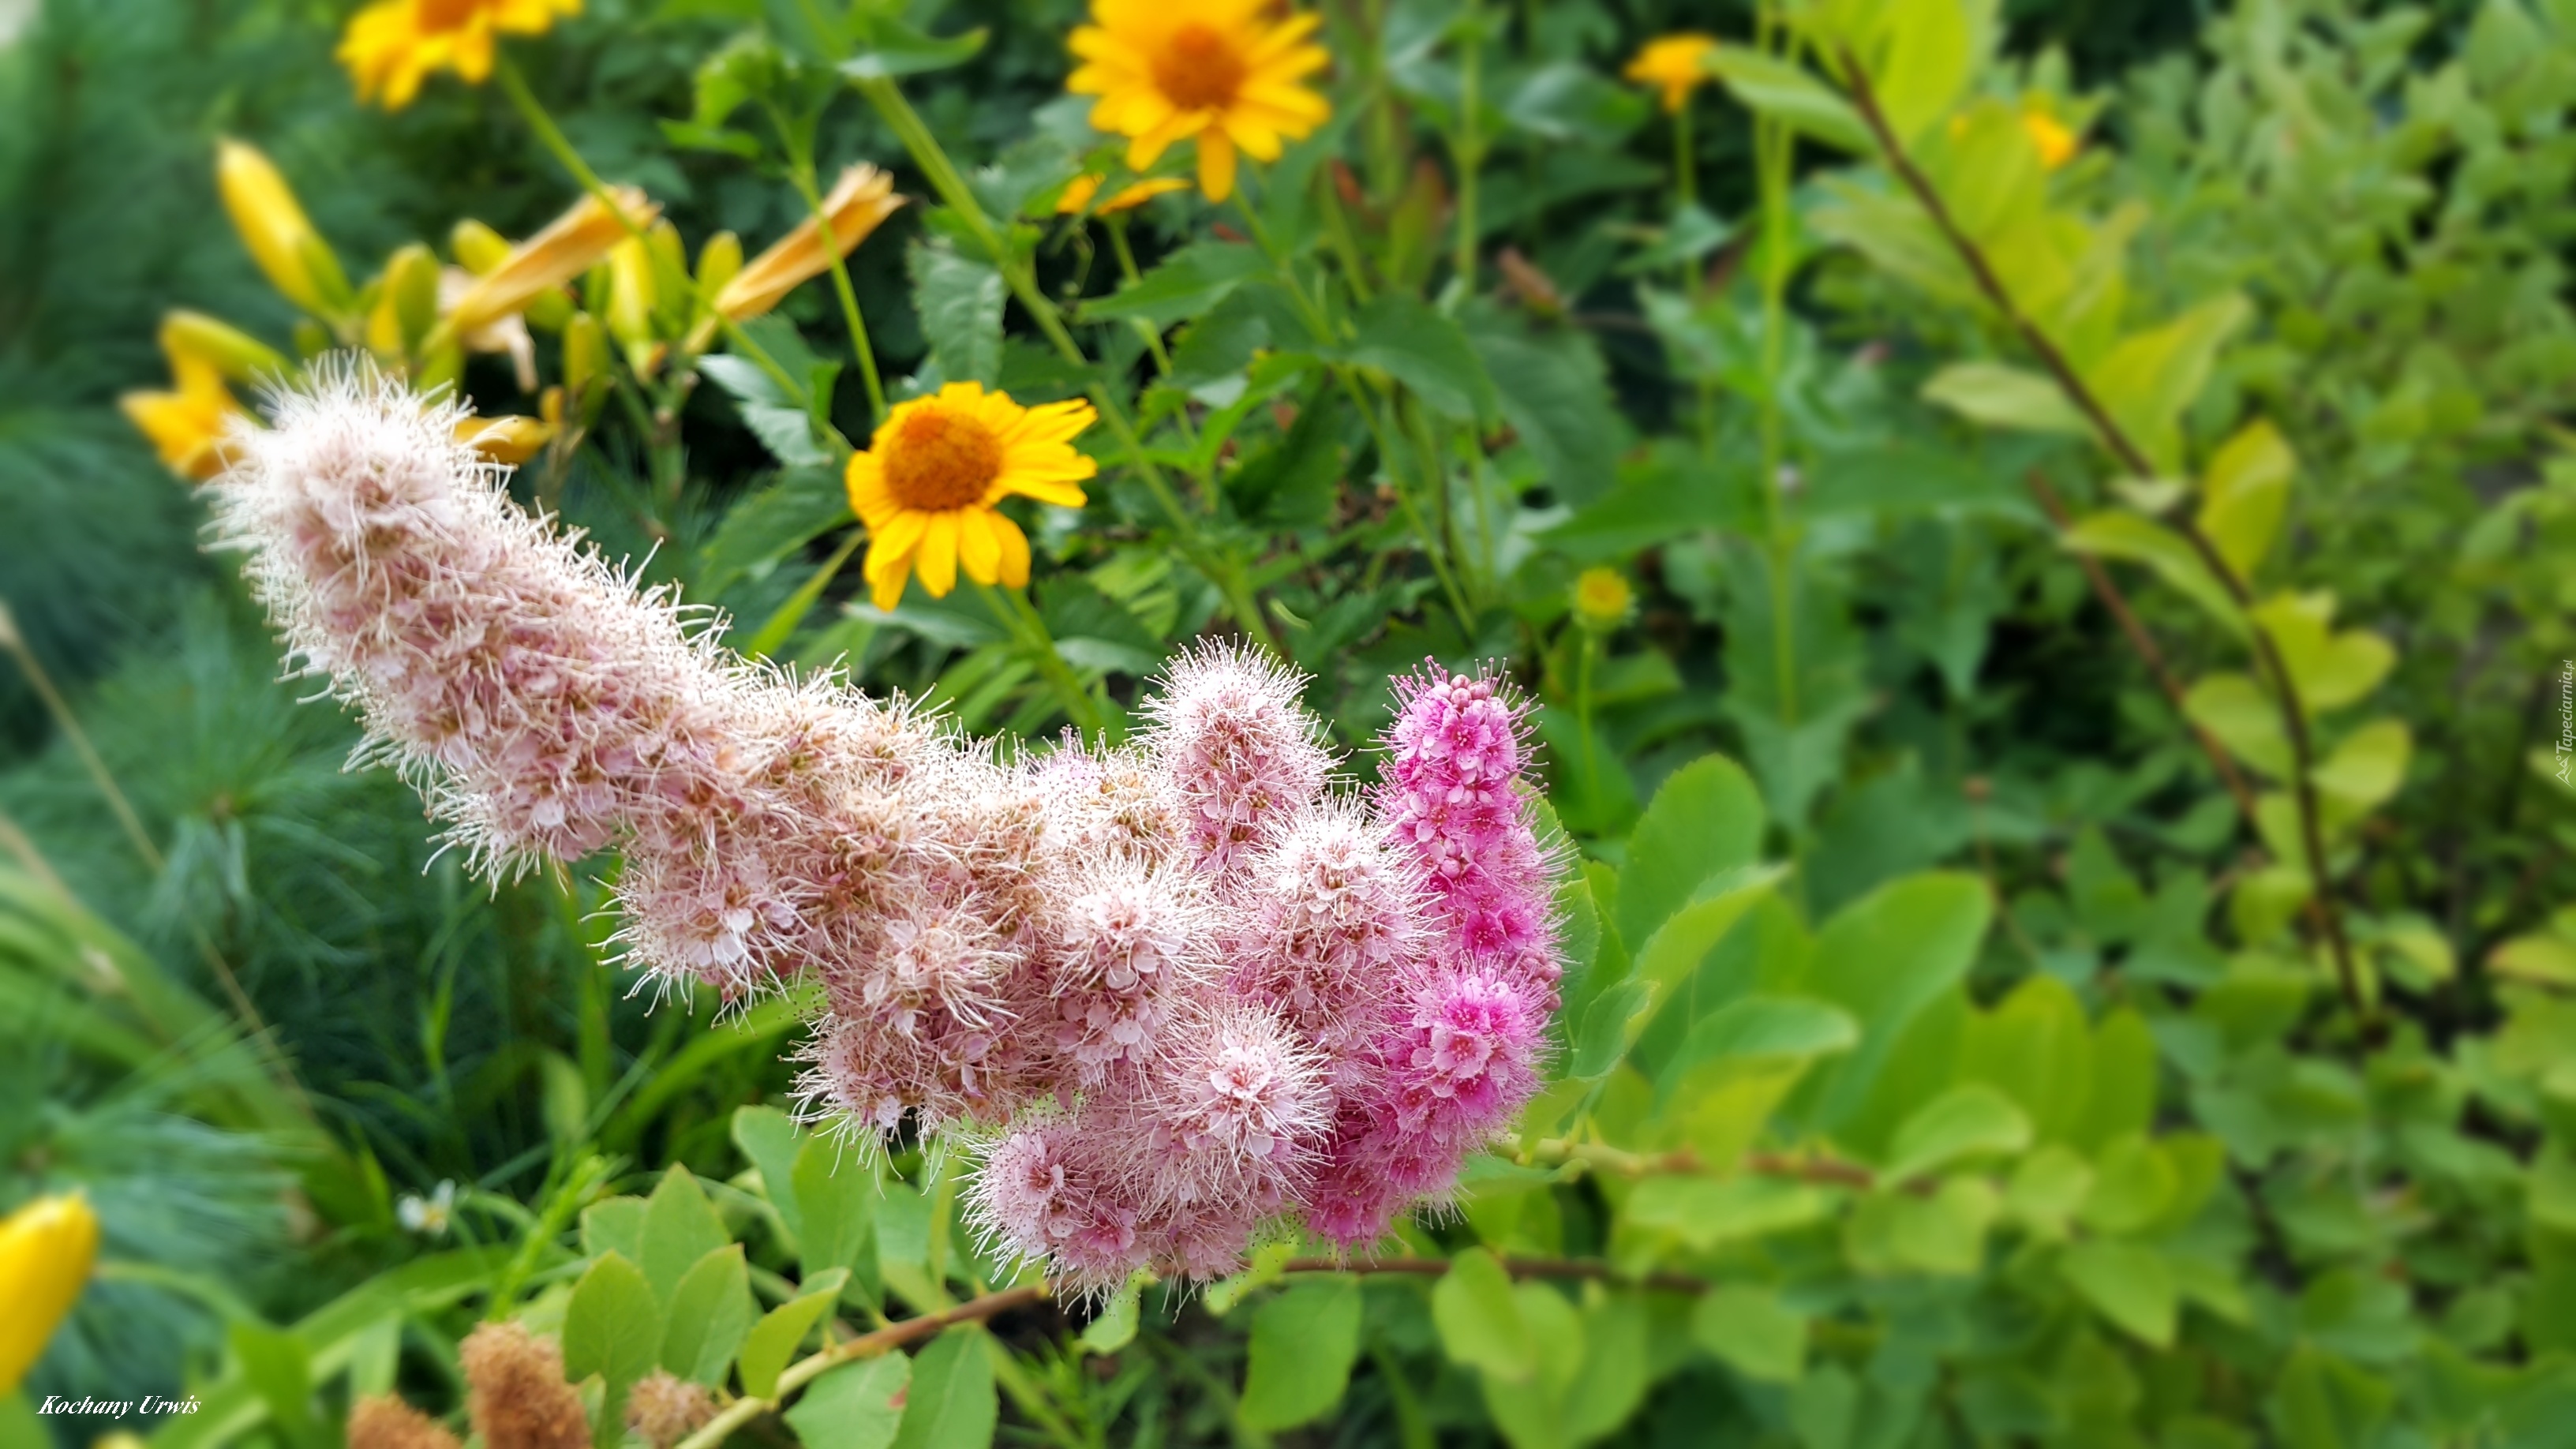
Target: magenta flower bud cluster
column 1173, row 995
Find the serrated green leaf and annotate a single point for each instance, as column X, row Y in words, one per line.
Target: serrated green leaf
column 1403, row 337
column 959, row 299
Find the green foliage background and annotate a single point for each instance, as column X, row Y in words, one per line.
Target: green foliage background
column 1948, row 1053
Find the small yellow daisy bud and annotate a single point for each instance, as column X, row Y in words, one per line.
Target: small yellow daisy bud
column 46, row 1249
column 273, row 225
column 1602, row 599
column 1675, row 65
column 2057, row 144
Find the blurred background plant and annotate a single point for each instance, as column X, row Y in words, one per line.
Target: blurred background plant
column 2043, row 549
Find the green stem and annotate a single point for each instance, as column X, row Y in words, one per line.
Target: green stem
column 1467, row 150
column 1771, row 156
column 1127, row 272
column 551, row 136
column 1685, row 177
column 782, row 622
column 1583, row 708
column 1016, row 614
column 800, row 169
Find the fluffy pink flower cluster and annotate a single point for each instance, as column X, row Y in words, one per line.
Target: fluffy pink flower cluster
column 1177, row 993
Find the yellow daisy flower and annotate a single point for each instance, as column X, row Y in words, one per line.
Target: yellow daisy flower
column 1223, row 71
column 1675, row 64
column 1602, row 599
column 1079, row 191
column 927, row 485
column 188, row 424
column 391, row 46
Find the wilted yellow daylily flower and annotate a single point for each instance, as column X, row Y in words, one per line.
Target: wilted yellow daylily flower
column 2056, row 142
column 861, row 200
column 1079, row 191
column 509, row 440
column 1674, row 64
column 187, row 425
column 46, row 1249
column 1602, row 599
column 391, row 46
column 928, row 483
column 568, row 247
column 1231, row 73
column 281, row 239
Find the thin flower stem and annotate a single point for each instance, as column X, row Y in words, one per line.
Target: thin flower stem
column 1467, row 148
column 551, row 136
column 2320, row 906
column 1028, row 628
column 1583, row 708
column 800, row 168
column 1685, row 179
column 1127, row 272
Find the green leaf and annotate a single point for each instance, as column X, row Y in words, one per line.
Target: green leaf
column 1188, row 283
column 774, row 1338
column 2238, row 714
column 769, row 525
column 612, row 1327
column 613, row 1225
column 1775, row 87
column 1114, row 1326
column 2129, row 1284
column 2368, row 766
column 680, row 1229
column 1999, row 396
column 2244, row 492
column 1303, row 1344
column 2331, row 670
column 2134, row 1183
column 1554, row 391
column 1706, row 1211
column 1969, row 1120
column 2321, row 1402
column 1400, row 335
column 951, row 1404
column 1766, row 1027
column 278, row 1367
column 1675, row 950
column 1747, row 1326
column 959, row 299
column 710, row 1315
column 2140, row 540
column 1617, row 1358
column 1705, row 820
column 2122, row 1098
column 854, row 1405
column 1926, row 52
column 836, row 1196
column 770, row 1138
column 1480, row 1325
column 1884, row 958
column 888, row 47
column 2150, row 378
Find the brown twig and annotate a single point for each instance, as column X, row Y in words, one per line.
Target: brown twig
column 2112, row 599
column 2321, row 910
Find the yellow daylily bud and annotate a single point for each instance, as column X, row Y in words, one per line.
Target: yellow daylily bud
column 719, row 262
column 507, row 440
column 630, row 292
column 564, row 250
column 406, row 305
column 46, row 1249
column 281, row 240
column 585, row 353
column 861, row 200
column 672, row 301
column 476, row 247
column 222, row 346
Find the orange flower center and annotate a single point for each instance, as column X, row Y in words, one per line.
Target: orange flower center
column 1198, row 70
column 445, row 15
column 939, row 460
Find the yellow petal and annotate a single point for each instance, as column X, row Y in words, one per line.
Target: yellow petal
column 1014, row 568
column 979, row 552
column 938, row 561
column 564, row 250
column 1216, row 164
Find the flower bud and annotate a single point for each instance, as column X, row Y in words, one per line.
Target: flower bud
column 46, row 1249
column 476, row 247
column 508, row 440
column 861, row 200
column 222, row 346
column 406, row 304
column 281, row 239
